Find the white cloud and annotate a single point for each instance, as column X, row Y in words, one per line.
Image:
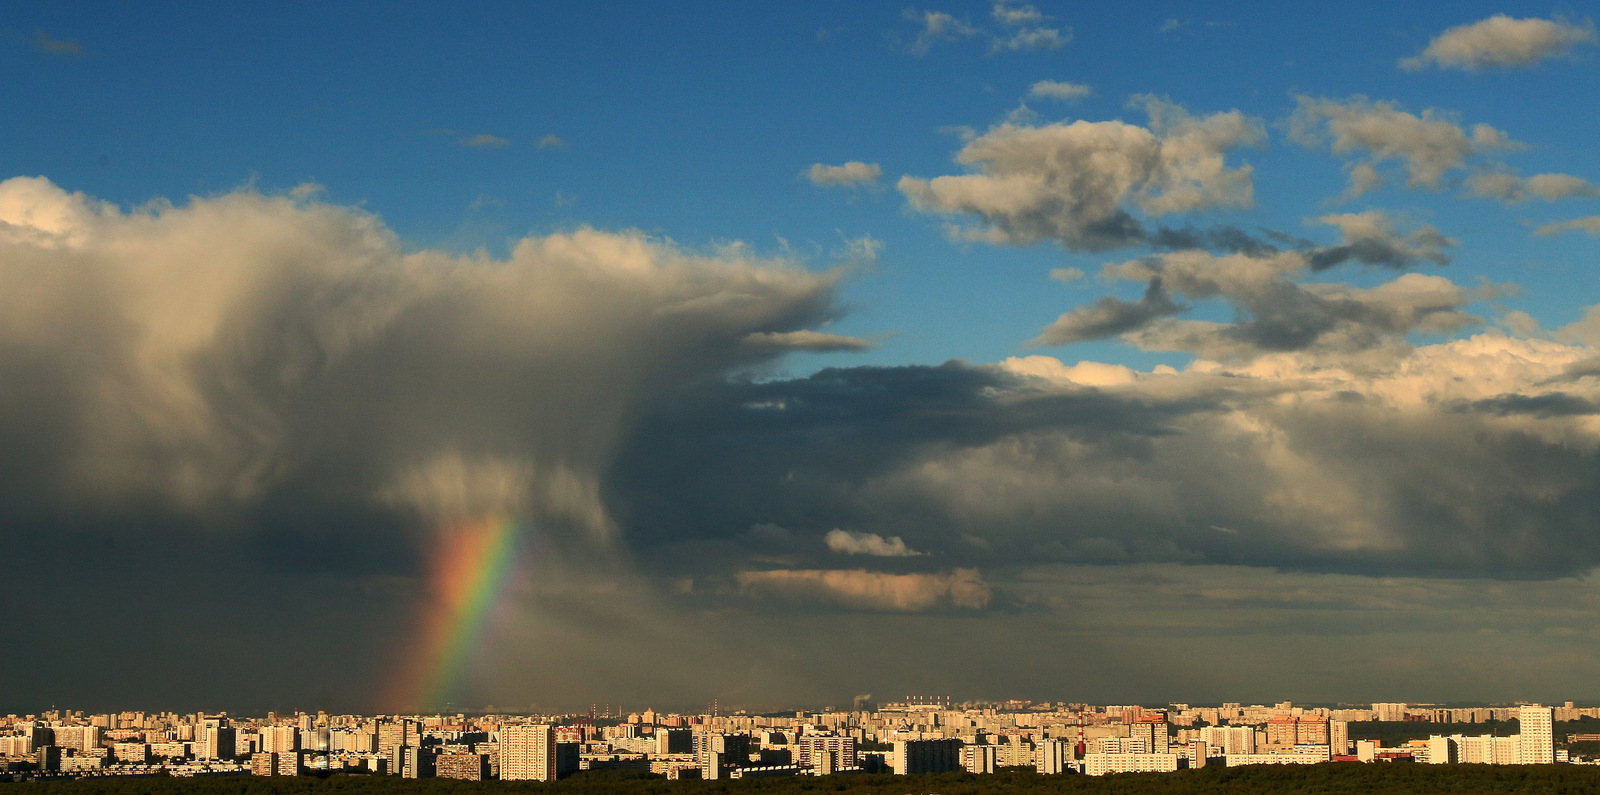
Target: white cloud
column 1590, row 224
column 1066, row 275
column 1066, row 92
column 306, row 191
column 33, row 210
column 850, row 174
column 1027, row 30
column 937, row 26
column 1501, row 41
column 1035, row 38
column 1075, row 183
column 859, row 589
column 484, row 141
column 851, row 543
column 1508, row 187
column 1020, row 29
column 1430, row 145
column 67, row 48
column 1015, row 15
column 550, row 142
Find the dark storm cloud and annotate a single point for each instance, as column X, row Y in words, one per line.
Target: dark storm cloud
column 994, row 468
column 1553, row 404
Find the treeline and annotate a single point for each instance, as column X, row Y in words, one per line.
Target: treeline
column 1325, row 779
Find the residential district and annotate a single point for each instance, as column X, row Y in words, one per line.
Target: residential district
column 918, row 735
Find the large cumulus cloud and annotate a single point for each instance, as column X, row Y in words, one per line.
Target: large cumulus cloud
column 208, row 355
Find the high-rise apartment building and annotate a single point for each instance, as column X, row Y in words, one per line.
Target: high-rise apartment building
column 527, row 753
column 1281, row 730
column 916, row 757
column 1054, row 756
column 397, row 733
column 1339, row 736
column 810, row 750
column 1389, row 711
column 674, row 741
column 978, row 759
column 1536, row 741
column 216, row 739
column 1311, row 730
column 465, row 767
column 417, row 762
column 1152, row 730
column 280, row 739
column 1229, row 739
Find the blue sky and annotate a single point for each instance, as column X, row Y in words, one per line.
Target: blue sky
column 696, row 123
column 325, row 279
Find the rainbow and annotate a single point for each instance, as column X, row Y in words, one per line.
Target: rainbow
column 471, row 568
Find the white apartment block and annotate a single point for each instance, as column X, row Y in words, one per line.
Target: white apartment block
column 1052, row 757
column 1536, row 745
column 1229, row 739
column 527, row 753
column 1102, row 764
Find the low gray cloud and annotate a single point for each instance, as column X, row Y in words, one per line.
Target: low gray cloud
column 1275, row 308
column 852, row 543
column 860, row 589
column 1501, row 41
column 1370, row 239
column 1109, row 317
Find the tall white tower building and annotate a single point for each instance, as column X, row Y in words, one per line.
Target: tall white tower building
column 1536, row 740
column 527, row 753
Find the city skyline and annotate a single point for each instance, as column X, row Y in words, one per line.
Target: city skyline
column 382, row 357
column 921, row 735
